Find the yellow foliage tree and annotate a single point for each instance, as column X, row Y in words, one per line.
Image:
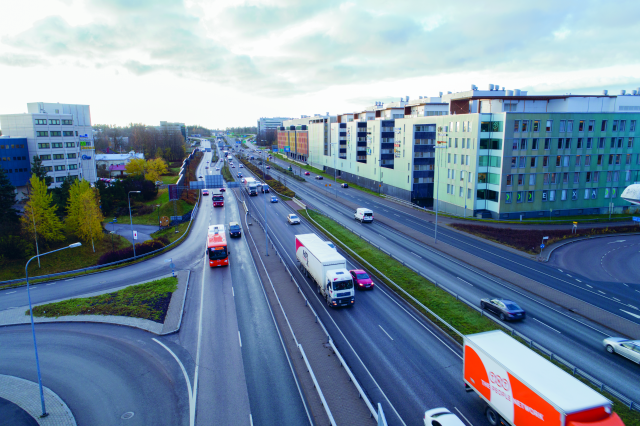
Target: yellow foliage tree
column 135, row 167
column 39, row 219
column 155, row 168
column 91, row 227
column 75, row 213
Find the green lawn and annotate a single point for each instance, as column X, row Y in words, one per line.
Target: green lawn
column 148, row 301
column 65, row 260
column 171, row 233
column 166, row 209
column 169, row 180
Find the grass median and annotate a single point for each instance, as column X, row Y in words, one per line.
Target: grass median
column 460, row 316
column 148, row 301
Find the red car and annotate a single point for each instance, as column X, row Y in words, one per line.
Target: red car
column 307, row 173
column 361, row 279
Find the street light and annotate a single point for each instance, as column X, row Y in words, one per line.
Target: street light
column 335, row 179
column 440, row 145
column 131, row 221
column 33, row 330
column 158, row 206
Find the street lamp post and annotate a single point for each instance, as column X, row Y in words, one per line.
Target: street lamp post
column 33, row 329
column 131, row 221
column 335, row 179
column 158, row 206
column 440, row 145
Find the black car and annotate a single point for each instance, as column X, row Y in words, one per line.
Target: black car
column 344, row 185
column 319, row 177
column 507, row 310
column 235, row 230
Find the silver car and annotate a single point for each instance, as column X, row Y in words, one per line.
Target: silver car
column 625, row 347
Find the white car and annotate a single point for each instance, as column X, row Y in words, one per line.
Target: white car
column 441, row 417
column 627, row 348
column 293, row 219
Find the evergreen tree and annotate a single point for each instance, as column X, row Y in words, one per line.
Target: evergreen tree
column 40, row 171
column 61, row 194
column 39, row 218
column 8, row 215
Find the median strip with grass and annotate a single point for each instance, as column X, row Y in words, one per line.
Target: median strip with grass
column 147, row 301
column 463, row 318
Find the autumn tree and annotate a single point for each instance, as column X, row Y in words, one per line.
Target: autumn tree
column 135, row 167
column 39, row 220
column 75, row 215
column 91, row 225
column 155, row 168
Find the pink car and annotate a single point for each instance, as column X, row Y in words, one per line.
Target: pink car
column 361, row 279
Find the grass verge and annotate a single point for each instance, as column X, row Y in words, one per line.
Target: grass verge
column 148, row 301
column 226, row 173
column 463, row 318
column 171, row 233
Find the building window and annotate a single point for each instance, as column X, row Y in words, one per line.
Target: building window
column 532, row 179
column 616, row 176
column 533, row 161
column 630, row 143
column 567, row 143
column 514, row 145
column 55, row 133
column 519, row 196
column 560, row 143
column 628, row 159
column 627, row 175
column 576, row 177
column 521, row 179
column 73, row 166
column 558, row 160
column 547, row 143
column 516, row 126
column 52, row 121
column 565, row 178
column 632, row 126
column 589, row 143
column 603, row 126
column 509, row 180
column 525, row 125
column 56, row 144
column 620, row 142
column 588, row 178
column 45, row 157
column 569, row 126
column 515, row 159
column 601, row 143
column 577, row 160
column 579, row 144
column 58, row 168
column 67, row 133
column 607, row 191
column 581, row 126
column 566, row 161
column 545, row 161
column 449, row 157
column 553, row 178
column 614, row 127
column 623, row 124
column 507, row 197
column 67, row 122
column 586, row 193
column 552, row 195
column 549, row 125
column 460, row 192
column 58, row 156
column 43, row 146
column 610, row 159
column 523, row 144
column 40, row 121
column 522, row 161
column 40, row 134
column 592, row 125
column 563, row 195
column 536, row 125
column 534, row 143
column 609, row 176
column 455, row 142
column 70, row 144
column 563, row 124
column 454, row 158
column 71, row 155
column 545, row 195
column 596, row 177
column 618, row 159
column 545, row 178
column 60, row 179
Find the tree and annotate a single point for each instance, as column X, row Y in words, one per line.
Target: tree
column 155, row 168
column 75, row 213
column 61, row 194
column 91, row 225
column 135, row 167
column 40, row 171
column 8, row 215
column 39, row 218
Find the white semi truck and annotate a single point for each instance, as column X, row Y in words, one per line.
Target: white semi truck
column 251, row 186
column 327, row 268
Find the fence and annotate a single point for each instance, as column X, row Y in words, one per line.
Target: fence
column 534, row 345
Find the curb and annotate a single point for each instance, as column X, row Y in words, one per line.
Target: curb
column 575, row 240
column 184, row 299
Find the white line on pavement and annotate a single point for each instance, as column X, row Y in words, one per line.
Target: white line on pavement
column 195, row 375
column 239, row 338
column 547, row 325
column 11, row 292
column 232, row 292
column 456, row 408
column 569, row 276
column 600, row 291
column 192, row 407
column 578, row 280
column 417, row 255
column 51, row 283
column 560, row 270
column 589, row 286
column 70, row 279
column 385, row 332
column 617, row 300
column 633, row 315
column 631, row 306
column 466, row 282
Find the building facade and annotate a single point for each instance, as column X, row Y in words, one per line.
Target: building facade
column 268, row 130
column 60, row 135
column 113, row 165
column 180, row 128
column 14, row 159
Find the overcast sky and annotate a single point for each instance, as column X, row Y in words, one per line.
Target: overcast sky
column 226, row 63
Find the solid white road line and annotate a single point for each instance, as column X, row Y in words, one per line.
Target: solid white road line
column 547, row 325
column 466, row 282
column 632, row 314
column 11, row 292
column 631, row 306
column 385, row 332
column 239, row 338
column 617, row 300
column 569, row 276
column 456, row 408
column 70, row 279
column 195, row 375
column 192, row 405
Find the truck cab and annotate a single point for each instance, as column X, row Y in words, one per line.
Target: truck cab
column 338, row 289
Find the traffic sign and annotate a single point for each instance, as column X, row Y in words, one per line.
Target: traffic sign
column 164, row 221
column 135, row 235
column 636, row 219
column 541, row 246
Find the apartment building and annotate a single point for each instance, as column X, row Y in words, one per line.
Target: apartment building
column 14, row 159
column 172, row 128
column 268, row 129
column 59, row 134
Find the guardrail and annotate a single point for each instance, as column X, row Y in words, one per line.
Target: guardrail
column 574, row 370
column 361, row 392
column 91, row 268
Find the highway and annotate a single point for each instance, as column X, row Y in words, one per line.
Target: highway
column 580, row 285
column 228, row 345
column 568, row 335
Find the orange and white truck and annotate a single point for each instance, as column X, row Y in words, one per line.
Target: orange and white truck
column 521, row 388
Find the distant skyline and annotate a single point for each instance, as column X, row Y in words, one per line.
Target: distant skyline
column 227, row 63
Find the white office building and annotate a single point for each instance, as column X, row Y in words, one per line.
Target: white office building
column 60, row 135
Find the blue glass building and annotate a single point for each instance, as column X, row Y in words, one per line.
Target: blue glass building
column 14, row 159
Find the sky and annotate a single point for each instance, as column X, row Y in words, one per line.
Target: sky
column 226, row 63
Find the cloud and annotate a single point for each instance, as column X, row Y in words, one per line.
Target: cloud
column 283, row 48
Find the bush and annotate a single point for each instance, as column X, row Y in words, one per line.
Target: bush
column 142, row 209
column 126, row 253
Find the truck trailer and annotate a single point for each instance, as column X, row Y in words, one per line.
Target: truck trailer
column 327, row 268
column 251, row 186
column 521, row 388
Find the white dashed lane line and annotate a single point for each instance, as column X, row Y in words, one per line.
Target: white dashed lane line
column 600, row 291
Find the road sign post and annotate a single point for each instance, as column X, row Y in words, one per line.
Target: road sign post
column 574, row 230
column 542, row 245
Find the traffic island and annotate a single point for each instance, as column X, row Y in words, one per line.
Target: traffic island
column 155, row 306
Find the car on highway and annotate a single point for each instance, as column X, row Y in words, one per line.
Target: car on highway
column 307, row 173
column 293, row 219
column 268, row 167
column 207, row 167
column 222, row 190
column 274, row 199
column 234, row 229
column 361, row 279
column 205, row 192
column 241, row 166
column 625, row 347
column 239, row 175
column 217, row 168
column 505, row 309
column 319, row 177
column 345, row 185
column 199, row 177
column 441, row 417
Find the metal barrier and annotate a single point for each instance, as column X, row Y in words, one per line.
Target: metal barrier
column 574, row 370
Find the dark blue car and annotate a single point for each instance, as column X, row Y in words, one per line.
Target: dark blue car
column 506, row 310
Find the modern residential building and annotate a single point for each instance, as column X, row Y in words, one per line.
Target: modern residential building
column 14, row 159
column 267, row 129
column 181, row 128
column 495, row 153
column 113, row 165
column 59, row 134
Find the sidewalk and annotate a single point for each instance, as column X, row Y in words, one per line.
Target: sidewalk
column 26, row 395
column 171, row 324
column 340, row 393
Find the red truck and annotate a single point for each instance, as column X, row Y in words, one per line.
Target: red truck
column 218, row 200
column 521, row 388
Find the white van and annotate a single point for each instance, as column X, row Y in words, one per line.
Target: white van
column 363, row 215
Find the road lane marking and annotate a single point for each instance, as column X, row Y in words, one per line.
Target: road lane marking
column 600, row 291
column 626, row 284
column 578, row 280
column 232, row 292
column 547, row 325
column 192, row 408
column 385, row 332
column 197, row 371
column 619, row 241
column 617, row 300
column 11, row 292
column 589, row 286
column 631, row 306
column 569, row 276
column 466, row 282
column 633, row 315
column 51, row 283
column 239, row 338
column 417, row 255
column 70, row 279
column 456, row 408
column 560, row 270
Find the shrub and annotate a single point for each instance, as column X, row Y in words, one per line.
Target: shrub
column 126, row 253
